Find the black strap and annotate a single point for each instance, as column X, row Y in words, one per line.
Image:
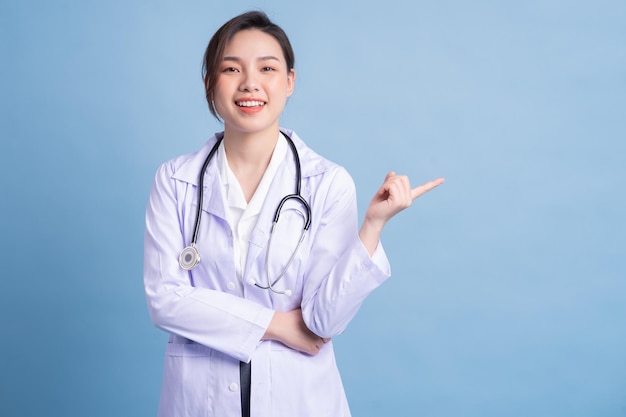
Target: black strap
column 245, row 375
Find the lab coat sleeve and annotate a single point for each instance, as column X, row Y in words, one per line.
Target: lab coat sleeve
column 341, row 273
column 213, row 318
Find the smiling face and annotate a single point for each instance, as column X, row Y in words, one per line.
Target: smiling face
column 253, row 83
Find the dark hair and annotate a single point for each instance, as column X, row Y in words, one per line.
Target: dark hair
column 217, row 44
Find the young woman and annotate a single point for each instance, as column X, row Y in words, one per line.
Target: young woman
column 253, row 256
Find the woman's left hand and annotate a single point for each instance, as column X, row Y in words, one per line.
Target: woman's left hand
column 393, row 196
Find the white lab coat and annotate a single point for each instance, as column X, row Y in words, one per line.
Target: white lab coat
column 216, row 320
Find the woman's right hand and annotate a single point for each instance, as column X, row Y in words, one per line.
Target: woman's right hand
column 289, row 329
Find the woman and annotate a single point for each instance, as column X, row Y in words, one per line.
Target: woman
column 250, row 328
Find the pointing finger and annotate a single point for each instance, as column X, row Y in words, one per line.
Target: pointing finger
column 426, row 187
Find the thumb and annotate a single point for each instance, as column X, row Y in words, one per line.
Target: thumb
column 383, row 188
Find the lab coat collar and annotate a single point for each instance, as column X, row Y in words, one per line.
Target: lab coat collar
column 311, row 163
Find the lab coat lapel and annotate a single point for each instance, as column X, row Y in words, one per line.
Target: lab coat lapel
column 213, row 202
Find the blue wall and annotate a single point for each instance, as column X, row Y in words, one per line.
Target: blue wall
column 509, row 282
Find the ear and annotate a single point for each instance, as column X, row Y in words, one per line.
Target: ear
column 291, row 82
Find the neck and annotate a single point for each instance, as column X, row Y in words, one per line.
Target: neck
column 249, row 150
column 248, row 156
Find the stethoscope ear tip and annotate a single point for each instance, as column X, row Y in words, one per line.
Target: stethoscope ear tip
column 253, row 283
column 190, row 257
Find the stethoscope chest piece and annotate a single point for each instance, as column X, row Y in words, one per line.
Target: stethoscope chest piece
column 189, row 258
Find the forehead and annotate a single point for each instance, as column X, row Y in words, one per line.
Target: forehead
column 253, row 43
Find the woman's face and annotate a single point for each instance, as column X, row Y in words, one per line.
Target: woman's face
column 253, row 83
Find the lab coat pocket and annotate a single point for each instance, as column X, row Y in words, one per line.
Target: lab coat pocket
column 297, row 376
column 185, row 379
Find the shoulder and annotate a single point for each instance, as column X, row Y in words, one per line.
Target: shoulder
column 312, row 163
column 186, row 167
column 321, row 174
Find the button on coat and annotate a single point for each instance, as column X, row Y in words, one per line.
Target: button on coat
column 214, row 323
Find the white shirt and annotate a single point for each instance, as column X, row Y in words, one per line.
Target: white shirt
column 242, row 216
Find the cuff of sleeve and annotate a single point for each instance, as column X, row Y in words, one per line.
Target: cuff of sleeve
column 257, row 330
column 377, row 262
column 380, row 259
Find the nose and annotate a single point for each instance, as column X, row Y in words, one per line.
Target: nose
column 249, row 82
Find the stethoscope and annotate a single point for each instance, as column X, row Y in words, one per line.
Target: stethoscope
column 190, row 257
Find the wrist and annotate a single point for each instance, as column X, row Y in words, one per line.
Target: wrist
column 372, row 226
column 369, row 234
column 272, row 331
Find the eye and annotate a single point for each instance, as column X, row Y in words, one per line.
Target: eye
column 267, row 69
column 230, row 69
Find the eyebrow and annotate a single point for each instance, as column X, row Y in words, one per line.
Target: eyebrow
column 261, row 58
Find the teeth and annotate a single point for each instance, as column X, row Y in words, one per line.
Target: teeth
column 250, row 103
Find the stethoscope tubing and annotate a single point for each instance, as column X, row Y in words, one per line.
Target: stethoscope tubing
column 192, row 253
column 194, row 238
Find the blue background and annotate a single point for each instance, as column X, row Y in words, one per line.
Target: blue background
column 509, row 281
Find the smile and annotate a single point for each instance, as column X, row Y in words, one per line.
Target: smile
column 250, row 103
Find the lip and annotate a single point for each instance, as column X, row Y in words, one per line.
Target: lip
column 250, row 109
